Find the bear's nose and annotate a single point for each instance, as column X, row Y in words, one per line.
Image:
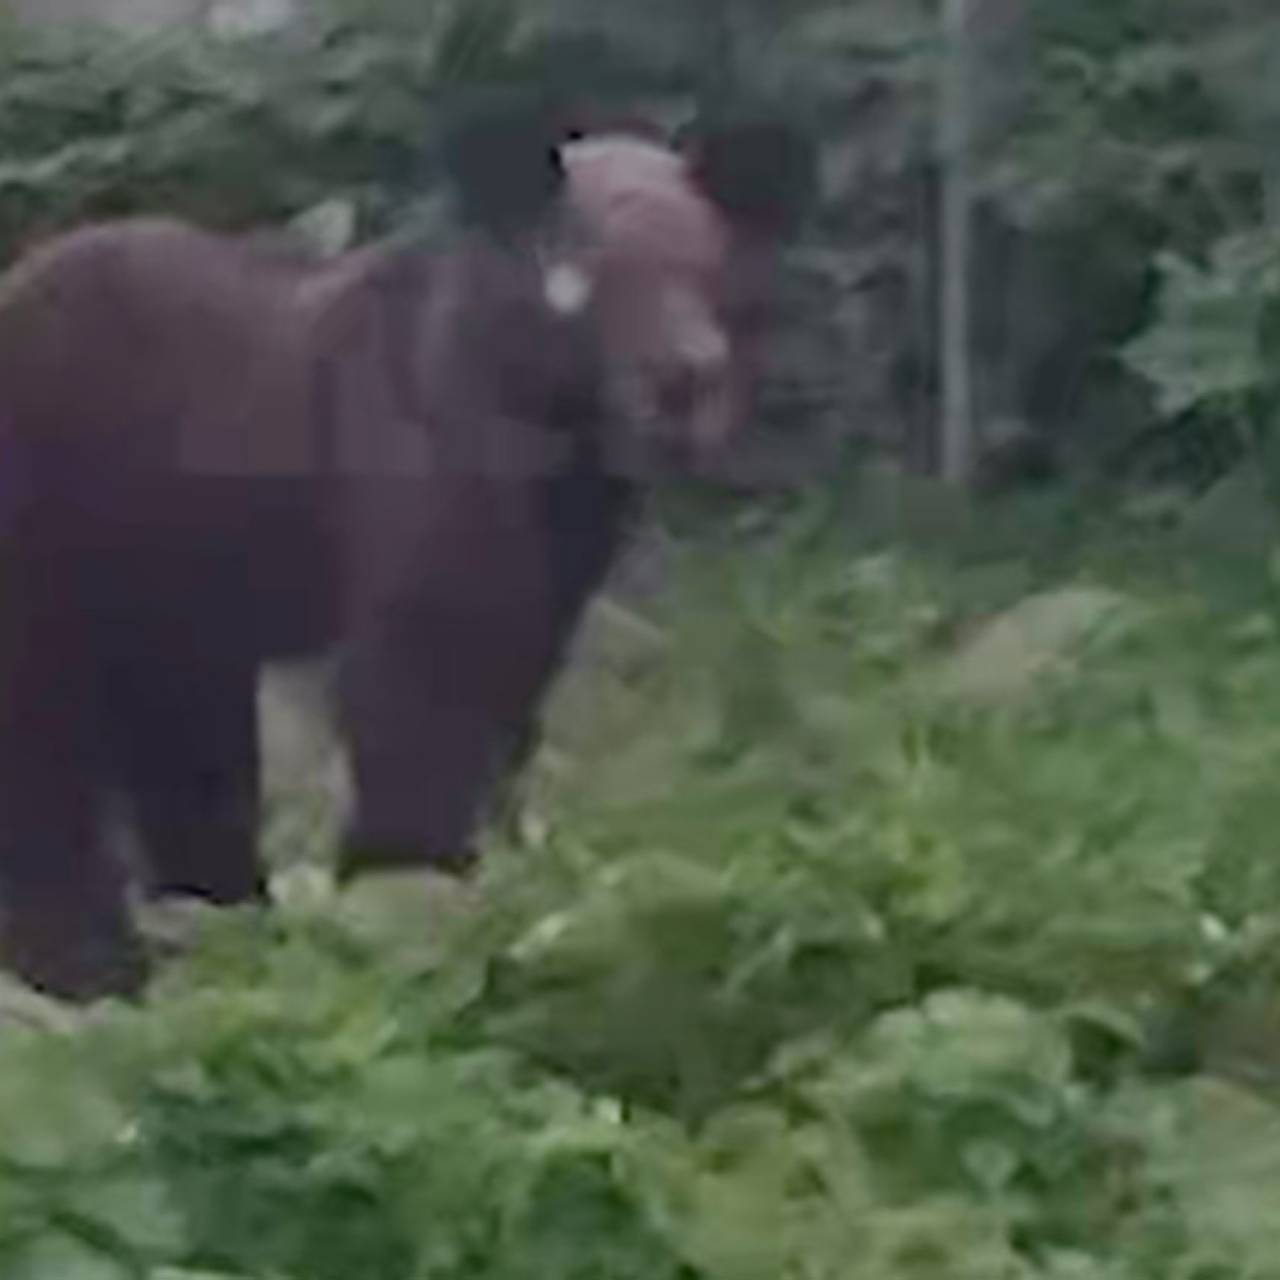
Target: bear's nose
column 704, row 350
column 699, row 371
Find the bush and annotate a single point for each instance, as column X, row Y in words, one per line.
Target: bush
column 877, row 911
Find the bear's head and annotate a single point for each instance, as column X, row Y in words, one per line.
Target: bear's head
column 661, row 252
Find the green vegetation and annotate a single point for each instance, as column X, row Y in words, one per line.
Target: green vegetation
column 1122, row 164
column 885, row 913
column 879, row 910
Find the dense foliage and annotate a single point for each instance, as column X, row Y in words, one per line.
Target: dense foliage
column 932, row 934
column 878, row 912
column 1144, row 149
column 1121, row 149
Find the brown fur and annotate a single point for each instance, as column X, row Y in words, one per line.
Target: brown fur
column 213, row 455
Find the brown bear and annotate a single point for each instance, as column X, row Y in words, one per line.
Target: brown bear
column 213, row 456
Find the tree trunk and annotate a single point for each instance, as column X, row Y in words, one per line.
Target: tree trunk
column 955, row 131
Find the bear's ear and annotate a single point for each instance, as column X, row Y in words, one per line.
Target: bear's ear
column 501, row 154
column 761, row 171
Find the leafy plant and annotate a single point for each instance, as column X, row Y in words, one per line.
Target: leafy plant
column 832, row 956
column 1210, row 350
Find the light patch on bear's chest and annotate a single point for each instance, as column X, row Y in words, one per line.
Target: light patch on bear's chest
column 567, row 288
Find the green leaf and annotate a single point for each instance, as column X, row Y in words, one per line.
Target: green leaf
column 134, row 1209
column 1207, row 345
column 57, row 1257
